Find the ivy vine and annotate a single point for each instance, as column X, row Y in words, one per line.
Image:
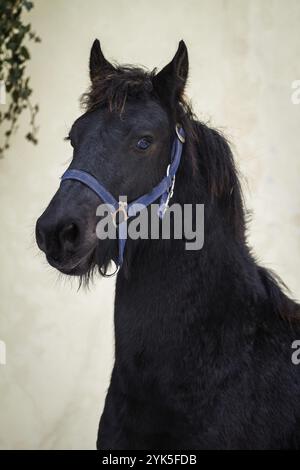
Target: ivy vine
column 14, row 56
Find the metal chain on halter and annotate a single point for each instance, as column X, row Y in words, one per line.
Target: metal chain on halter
column 181, row 137
column 170, row 192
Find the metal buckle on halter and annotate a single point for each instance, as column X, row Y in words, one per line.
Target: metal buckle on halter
column 180, row 137
column 121, row 209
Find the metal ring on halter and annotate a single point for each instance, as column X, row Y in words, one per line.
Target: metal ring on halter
column 112, row 274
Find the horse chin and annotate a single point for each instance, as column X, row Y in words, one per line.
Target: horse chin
column 81, row 267
column 99, row 259
column 80, row 270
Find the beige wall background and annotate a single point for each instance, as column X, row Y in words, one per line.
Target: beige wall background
column 244, row 56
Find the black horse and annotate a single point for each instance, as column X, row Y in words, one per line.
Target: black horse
column 203, row 339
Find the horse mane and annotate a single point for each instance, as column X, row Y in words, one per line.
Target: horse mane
column 114, row 88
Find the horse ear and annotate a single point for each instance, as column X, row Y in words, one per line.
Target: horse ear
column 98, row 64
column 170, row 81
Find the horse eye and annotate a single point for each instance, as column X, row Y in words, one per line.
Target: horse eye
column 143, row 143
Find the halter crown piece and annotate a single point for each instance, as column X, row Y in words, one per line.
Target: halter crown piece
column 163, row 190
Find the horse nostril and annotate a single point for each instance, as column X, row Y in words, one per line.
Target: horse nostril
column 69, row 235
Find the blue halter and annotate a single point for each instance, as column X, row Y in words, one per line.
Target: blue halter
column 164, row 190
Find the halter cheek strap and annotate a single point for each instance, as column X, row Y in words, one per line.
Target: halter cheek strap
column 163, row 190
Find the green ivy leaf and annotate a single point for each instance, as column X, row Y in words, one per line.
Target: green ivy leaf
column 14, row 55
column 28, row 5
column 24, row 52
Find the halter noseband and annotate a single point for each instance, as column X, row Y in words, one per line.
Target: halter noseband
column 164, row 190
